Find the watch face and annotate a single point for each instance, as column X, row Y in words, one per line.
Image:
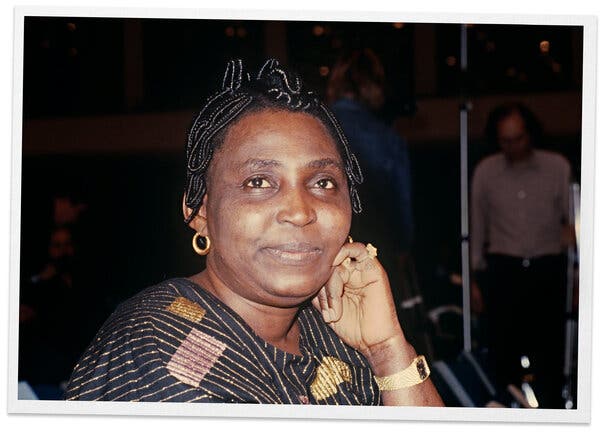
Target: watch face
column 422, row 369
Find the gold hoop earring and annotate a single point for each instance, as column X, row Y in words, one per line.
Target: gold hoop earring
column 200, row 251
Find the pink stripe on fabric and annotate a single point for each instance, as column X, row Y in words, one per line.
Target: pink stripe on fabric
column 195, row 357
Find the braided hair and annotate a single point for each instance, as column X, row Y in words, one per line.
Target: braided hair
column 272, row 88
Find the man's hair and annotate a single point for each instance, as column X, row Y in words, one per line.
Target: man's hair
column 359, row 73
column 273, row 87
column 532, row 124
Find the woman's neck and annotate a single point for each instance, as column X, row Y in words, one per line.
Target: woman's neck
column 276, row 325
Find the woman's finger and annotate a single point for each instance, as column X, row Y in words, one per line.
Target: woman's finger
column 316, row 302
column 355, row 250
column 320, row 303
column 334, row 289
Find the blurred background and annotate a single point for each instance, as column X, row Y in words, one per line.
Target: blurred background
column 106, row 107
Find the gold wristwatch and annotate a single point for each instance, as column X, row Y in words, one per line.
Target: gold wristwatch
column 417, row 372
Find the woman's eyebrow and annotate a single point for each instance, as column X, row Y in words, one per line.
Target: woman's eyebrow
column 255, row 164
column 325, row 162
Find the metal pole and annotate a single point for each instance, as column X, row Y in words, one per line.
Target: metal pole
column 571, row 322
column 464, row 195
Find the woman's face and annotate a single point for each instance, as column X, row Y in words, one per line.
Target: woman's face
column 277, row 208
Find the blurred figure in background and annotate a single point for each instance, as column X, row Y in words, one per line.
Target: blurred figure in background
column 50, row 303
column 356, row 94
column 46, row 354
column 519, row 234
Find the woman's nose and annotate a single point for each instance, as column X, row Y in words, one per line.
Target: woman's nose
column 297, row 208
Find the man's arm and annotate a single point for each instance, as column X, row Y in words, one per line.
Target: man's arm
column 568, row 233
column 478, row 219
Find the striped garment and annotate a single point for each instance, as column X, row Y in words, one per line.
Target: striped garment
column 177, row 342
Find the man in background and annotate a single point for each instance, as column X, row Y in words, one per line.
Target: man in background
column 519, row 233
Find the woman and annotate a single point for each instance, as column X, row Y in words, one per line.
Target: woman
column 287, row 310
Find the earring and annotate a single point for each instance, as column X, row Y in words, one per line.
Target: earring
column 200, row 251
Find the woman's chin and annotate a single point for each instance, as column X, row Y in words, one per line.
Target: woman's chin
column 292, row 292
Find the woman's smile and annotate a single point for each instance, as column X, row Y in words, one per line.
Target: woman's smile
column 294, row 253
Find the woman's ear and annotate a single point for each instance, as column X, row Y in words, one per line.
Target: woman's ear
column 199, row 222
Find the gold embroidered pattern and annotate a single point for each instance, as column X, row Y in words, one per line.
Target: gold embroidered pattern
column 187, row 309
column 330, row 374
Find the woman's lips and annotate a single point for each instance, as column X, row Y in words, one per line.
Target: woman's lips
column 294, row 253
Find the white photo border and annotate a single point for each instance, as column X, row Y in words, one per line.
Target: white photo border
column 588, row 133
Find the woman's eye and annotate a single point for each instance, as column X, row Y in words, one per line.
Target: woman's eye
column 258, row 182
column 325, row 184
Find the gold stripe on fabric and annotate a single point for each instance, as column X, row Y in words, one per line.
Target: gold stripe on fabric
column 117, row 378
column 232, row 389
column 135, row 379
column 299, row 385
column 199, row 399
column 153, row 318
column 112, row 369
column 146, row 397
column 187, row 309
column 139, row 389
column 238, row 338
column 146, row 326
column 241, row 341
column 234, row 339
column 241, row 377
column 330, row 374
column 177, row 396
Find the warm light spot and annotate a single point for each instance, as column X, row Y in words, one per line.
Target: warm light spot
column 556, row 67
column 456, row 279
column 318, row 30
column 530, row 395
column 398, row 25
column 73, row 52
column 230, row 32
column 451, row 61
column 490, row 46
column 71, row 27
column 545, row 47
column 511, row 72
column 242, row 32
column 324, row 71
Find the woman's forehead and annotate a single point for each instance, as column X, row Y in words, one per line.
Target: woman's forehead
column 271, row 135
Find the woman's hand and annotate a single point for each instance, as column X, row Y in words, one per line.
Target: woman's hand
column 358, row 305
column 357, row 301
